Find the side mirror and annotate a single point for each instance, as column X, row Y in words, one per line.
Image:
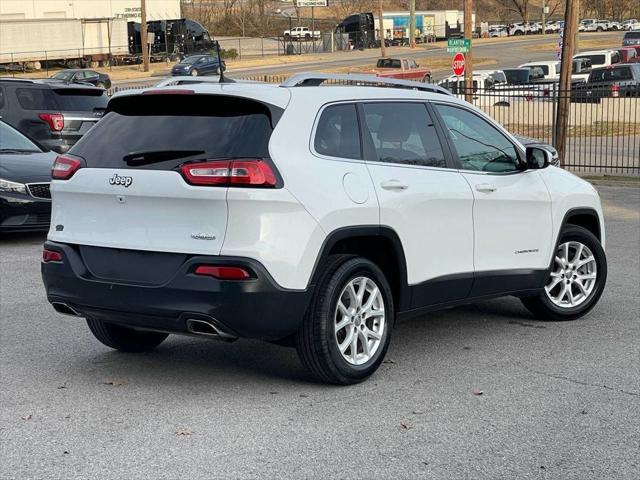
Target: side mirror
column 537, row 158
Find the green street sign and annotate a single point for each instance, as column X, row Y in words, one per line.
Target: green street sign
column 458, row 45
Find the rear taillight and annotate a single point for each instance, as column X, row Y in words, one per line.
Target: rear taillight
column 223, row 272
column 55, row 121
column 64, row 167
column 51, row 256
column 615, row 90
column 246, row 172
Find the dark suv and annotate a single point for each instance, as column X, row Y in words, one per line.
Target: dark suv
column 54, row 114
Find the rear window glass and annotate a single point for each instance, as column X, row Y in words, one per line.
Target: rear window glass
column 632, row 35
column 67, row 99
column 337, row 134
column 595, row 59
column 605, row 74
column 164, row 131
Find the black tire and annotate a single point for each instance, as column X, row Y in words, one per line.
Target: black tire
column 426, row 78
column 194, row 72
column 316, row 341
column 101, row 85
column 123, row 338
column 544, row 309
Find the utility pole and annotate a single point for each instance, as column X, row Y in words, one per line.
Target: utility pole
column 544, row 26
column 468, row 58
column 412, row 23
column 143, row 35
column 576, row 43
column 564, row 97
column 383, row 47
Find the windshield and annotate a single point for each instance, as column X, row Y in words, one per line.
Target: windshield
column 190, row 60
column 11, row 139
column 518, row 76
column 63, row 75
column 607, row 74
column 595, row 59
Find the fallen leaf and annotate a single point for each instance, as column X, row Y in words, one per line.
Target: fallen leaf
column 466, row 348
column 27, row 417
column 116, row 383
column 60, row 387
column 273, row 393
column 477, row 392
column 66, row 452
column 184, row 432
column 404, row 426
column 389, row 361
column 417, row 412
column 584, row 412
column 303, row 395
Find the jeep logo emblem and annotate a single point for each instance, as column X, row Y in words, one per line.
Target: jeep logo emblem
column 118, row 180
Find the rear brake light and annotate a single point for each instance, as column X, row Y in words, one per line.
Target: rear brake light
column 615, row 90
column 248, row 172
column 51, row 256
column 55, row 121
column 64, row 167
column 167, row 91
column 223, row 272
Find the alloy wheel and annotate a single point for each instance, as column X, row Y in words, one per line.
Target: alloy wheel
column 573, row 276
column 359, row 320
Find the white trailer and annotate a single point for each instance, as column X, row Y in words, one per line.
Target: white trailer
column 30, row 42
column 429, row 23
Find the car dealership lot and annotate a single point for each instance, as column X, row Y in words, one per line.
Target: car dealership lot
column 559, row 400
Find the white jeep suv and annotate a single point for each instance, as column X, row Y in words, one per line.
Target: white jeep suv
column 310, row 215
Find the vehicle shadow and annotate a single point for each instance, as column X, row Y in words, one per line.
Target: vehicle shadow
column 190, row 361
column 22, row 238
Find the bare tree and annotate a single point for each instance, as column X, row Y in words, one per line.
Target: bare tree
column 521, row 7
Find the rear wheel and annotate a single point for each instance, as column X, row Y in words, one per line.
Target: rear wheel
column 347, row 330
column 123, row 338
column 426, row 78
column 576, row 280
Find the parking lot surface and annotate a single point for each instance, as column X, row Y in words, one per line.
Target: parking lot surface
column 482, row 391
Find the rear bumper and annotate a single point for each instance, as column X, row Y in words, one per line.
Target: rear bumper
column 19, row 213
column 255, row 308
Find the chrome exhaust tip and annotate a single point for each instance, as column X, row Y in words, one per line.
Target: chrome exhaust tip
column 206, row 328
column 65, row 309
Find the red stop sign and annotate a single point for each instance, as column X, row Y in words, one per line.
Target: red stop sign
column 458, row 64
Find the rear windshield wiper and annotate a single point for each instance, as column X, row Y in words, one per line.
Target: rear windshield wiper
column 136, row 159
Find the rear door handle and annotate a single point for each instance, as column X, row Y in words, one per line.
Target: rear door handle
column 485, row 188
column 393, row 185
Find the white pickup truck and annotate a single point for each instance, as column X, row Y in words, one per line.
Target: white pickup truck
column 302, row 33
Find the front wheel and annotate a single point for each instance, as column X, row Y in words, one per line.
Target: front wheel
column 194, row 72
column 576, row 279
column 123, row 338
column 346, row 333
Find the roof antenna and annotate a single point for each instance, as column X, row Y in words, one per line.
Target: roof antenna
column 220, row 69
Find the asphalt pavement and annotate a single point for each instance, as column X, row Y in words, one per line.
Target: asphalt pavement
column 481, row 391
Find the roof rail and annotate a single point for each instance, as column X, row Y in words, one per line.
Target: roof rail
column 187, row 80
column 311, row 79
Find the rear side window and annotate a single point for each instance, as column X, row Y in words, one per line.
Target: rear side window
column 163, row 131
column 337, row 134
column 403, row 133
column 64, row 99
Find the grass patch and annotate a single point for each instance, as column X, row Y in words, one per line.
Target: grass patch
column 589, row 44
